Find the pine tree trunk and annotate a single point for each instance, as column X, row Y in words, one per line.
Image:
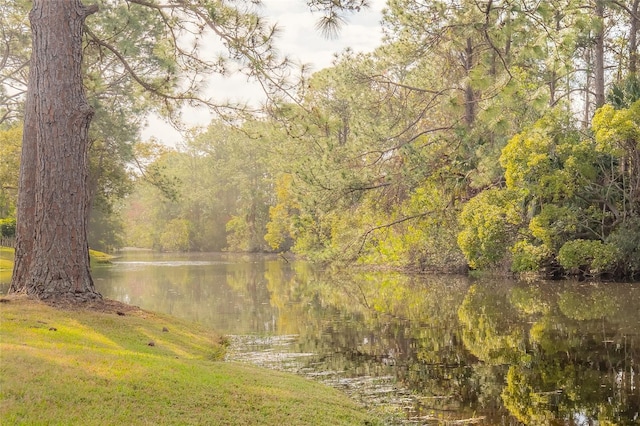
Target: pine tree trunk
column 26, row 207
column 52, row 254
column 633, row 38
column 599, row 56
column 469, row 94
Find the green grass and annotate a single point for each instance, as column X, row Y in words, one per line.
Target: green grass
column 99, row 257
column 97, row 368
column 6, row 258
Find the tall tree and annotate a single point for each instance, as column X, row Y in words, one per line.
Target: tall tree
column 599, row 52
column 634, row 13
column 52, row 254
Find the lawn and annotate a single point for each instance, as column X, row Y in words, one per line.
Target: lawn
column 6, row 258
column 116, row 364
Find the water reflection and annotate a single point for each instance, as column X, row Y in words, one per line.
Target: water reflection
column 430, row 349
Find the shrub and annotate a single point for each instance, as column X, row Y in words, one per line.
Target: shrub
column 489, row 225
column 528, row 257
column 589, row 257
column 8, row 227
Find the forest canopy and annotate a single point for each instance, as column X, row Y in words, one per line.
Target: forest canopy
column 487, row 135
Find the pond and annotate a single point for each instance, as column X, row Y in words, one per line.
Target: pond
column 418, row 349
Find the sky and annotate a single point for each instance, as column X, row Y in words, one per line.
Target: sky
column 300, row 40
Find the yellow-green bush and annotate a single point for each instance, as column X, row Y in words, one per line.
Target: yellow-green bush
column 587, row 256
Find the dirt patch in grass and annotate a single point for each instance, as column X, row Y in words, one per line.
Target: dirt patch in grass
column 106, row 306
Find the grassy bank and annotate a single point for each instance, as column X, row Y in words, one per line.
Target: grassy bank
column 6, row 258
column 116, row 365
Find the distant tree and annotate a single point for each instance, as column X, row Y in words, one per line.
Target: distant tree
column 9, row 167
column 14, row 60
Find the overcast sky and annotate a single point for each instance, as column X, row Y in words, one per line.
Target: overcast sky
column 300, row 40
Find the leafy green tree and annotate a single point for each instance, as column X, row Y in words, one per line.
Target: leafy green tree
column 218, row 183
column 431, row 108
column 280, row 231
column 358, row 164
column 490, row 225
column 233, row 183
column 574, row 196
column 106, row 230
column 617, row 133
column 152, row 213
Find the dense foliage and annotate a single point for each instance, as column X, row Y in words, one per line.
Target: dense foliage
column 468, row 142
column 493, row 135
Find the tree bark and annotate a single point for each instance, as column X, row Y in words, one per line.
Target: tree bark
column 586, row 121
column 633, row 38
column 52, row 254
column 469, row 94
column 599, row 56
column 26, row 207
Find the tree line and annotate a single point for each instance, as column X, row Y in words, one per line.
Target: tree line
column 494, row 135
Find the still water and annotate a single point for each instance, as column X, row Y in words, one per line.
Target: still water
column 420, row 350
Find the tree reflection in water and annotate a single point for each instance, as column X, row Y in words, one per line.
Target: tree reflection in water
column 499, row 352
column 437, row 348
